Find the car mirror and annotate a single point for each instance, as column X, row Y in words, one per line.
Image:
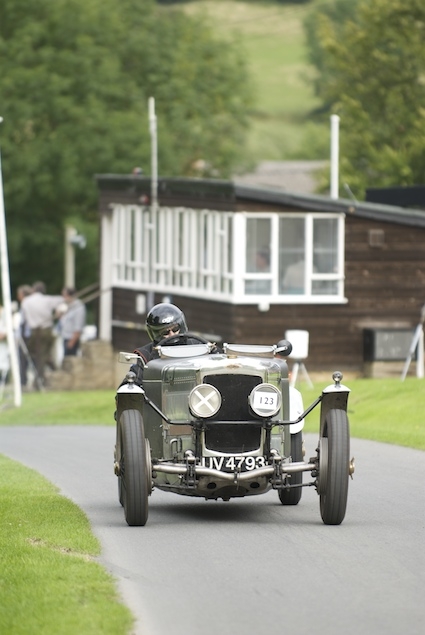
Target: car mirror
column 128, row 358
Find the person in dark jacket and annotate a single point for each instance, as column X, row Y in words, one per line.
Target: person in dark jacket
column 164, row 321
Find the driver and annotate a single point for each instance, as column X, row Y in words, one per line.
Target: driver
column 164, row 321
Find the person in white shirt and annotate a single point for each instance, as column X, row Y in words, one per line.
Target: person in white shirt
column 22, row 332
column 38, row 314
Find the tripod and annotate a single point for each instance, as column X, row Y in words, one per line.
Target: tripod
column 417, row 339
column 299, row 340
column 300, row 366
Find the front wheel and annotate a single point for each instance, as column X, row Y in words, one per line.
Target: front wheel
column 134, row 464
column 292, row 496
column 334, row 466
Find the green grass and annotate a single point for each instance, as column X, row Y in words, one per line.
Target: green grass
column 50, row 582
column 385, row 410
column 60, row 408
column 272, row 37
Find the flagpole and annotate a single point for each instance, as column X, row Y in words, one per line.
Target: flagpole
column 7, row 304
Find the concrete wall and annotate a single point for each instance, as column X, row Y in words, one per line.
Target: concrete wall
column 96, row 369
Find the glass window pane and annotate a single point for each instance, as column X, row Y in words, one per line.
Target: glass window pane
column 260, row 287
column 258, row 234
column 324, row 287
column 258, row 245
column 292, row 255
column 325, row 245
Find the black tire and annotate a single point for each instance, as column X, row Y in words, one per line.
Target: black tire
column 293, row 496
column 334, row 465
column 133, row 468
column 120, row 491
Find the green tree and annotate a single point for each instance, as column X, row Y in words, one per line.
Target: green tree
column 76, row 76
column 335, row 11
column 374, row 79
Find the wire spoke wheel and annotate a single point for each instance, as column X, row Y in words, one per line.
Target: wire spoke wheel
column 334, row 466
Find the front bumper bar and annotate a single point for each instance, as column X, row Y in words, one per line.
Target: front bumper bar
column 259, row 472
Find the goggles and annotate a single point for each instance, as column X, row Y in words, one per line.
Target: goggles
column 169, row 331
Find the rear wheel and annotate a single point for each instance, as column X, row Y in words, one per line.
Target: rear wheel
column 292, row 496
column 334, row 466
column 135, row 480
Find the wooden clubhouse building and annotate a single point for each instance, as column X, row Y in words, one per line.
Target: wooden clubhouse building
column 246, row 263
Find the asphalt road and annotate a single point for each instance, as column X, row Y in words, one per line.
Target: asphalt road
column 251, row 566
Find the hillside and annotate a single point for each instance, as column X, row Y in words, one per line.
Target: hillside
column 272, row 38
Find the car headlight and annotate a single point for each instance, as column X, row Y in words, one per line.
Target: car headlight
column 204, row 401
column 265, row 400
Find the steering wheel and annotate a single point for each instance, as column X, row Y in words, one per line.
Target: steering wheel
column 181, row 338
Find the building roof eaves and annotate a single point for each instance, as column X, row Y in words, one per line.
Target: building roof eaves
column 277, row 196
column 318, row 203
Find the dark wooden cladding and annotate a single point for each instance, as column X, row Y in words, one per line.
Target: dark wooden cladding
column 127, row 340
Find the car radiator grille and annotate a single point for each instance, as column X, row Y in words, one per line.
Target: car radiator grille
column 236, row 437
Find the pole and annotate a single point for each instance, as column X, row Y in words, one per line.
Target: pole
column 420, row 358
column 154, row 183
column 334, row 156
column 154, row 154
column 7, row 304
column 70, row 233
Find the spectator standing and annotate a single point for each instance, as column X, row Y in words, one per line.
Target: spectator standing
column 22, row 333
column 37, row 313
column 72, row 322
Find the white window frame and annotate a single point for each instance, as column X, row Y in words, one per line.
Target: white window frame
column 276, row 297
column 202, row 253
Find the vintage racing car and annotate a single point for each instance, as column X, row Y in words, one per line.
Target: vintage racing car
column 224, row 425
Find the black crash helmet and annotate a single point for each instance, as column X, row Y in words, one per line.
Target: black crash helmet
column 161, row 318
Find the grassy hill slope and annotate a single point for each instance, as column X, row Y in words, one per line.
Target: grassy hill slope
column 272, row 38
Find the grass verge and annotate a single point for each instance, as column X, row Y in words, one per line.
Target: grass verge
column 385, row 410
column 50, row 582
column 60, row 408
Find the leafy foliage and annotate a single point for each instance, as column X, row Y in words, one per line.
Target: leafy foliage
column 337, row 12
column 373, row 76
column 76, row 78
